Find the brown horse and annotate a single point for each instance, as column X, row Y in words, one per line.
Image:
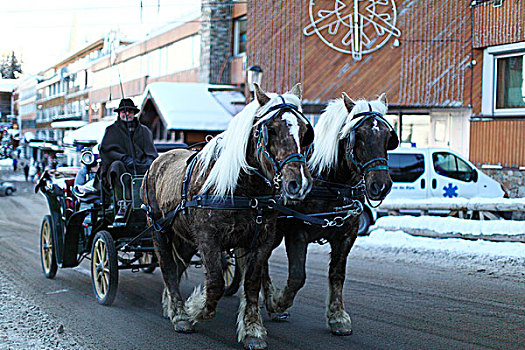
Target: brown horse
column 260, row 154
column 351, row 143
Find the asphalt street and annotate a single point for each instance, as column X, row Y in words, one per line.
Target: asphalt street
column 393, row 305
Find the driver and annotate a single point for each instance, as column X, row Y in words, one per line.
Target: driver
column 127, row 147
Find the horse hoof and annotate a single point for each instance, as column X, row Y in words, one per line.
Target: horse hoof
column 279, row 317
column 206, row 316
column 252, row 343
column 184, row 327
column 341, row 329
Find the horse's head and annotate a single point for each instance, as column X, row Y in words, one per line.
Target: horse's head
column 280, row 136
column 366, row 138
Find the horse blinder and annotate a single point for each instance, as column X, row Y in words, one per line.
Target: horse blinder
column 393, row 141
column 308, row 137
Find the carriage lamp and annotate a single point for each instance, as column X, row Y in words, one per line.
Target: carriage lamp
column 253, row 75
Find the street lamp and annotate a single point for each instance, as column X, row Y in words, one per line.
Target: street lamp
column 253, row 75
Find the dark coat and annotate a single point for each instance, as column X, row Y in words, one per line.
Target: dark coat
column 116, row 145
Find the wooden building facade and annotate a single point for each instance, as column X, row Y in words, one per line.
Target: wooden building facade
column 427, row 56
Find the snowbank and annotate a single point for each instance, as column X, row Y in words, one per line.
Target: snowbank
column 8, row 162
column 400, row 239
column 445, row 227
column 487, row 204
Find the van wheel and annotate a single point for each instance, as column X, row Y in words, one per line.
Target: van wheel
column 364, row 223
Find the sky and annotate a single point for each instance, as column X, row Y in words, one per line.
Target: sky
column 42, row 33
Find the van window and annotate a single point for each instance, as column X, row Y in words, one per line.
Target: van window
column 449, row 165
column 406, row 167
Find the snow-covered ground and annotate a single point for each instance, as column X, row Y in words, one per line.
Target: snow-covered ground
column 400, row 239
column 8, row 162
column 451, row 225
column 496, row 259
column 24, row 325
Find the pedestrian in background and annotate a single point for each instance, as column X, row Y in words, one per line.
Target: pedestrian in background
column 15, row 164
column 32, row 171
column 26, row 171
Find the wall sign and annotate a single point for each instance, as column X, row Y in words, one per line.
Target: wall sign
column 355, row 27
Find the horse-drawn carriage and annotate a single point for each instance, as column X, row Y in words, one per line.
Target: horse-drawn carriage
column 82, row 225
column 247, row 189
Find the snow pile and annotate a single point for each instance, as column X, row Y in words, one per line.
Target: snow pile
column 402, row 240
column 399, row 240
column 477, row 203
column 505, row 259
column 8, row 162
column 451, row 225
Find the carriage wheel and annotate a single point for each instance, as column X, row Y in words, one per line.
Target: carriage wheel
column 147, row 258
column 104, row 268
column 47, row 251
column 364, row 223
column 232, row 273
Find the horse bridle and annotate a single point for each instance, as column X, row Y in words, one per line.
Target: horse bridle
column 261, row 136
column 367, row 167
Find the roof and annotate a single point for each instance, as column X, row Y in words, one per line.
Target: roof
column 193, row 106
column 68, row 124
column 91, row 132
column 8, row 85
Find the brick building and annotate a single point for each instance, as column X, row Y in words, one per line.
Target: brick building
column 452, row 70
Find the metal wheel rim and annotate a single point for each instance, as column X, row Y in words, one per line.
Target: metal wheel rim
column 362, row 222
column 47, row 247
column 146, row 258
column 229, row 271
column 100, row 268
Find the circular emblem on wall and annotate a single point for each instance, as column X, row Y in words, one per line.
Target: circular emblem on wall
column 355, row 27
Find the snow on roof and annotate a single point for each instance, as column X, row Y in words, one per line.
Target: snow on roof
column 73, row 124
column 13, row 132
column 192, row 106
column 91, row 132
column 28, row 135
column 8, row 85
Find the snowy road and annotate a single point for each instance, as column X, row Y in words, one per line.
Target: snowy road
column 401, row 294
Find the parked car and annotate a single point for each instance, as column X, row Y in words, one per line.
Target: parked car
column 7, row 188
column 423, row 173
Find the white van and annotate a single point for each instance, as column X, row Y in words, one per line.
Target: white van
column 421, row 173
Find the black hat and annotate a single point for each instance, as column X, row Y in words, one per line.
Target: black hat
column 127, row 104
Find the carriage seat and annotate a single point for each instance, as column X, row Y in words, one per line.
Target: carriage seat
column 87, row 193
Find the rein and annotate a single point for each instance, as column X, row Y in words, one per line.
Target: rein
column 259, row 203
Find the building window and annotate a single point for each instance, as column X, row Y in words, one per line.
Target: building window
column 510, row 82
column 239, row 32
column 503, row 81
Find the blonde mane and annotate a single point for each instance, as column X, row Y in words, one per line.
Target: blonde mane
column 228, row 149
column 334, row 125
